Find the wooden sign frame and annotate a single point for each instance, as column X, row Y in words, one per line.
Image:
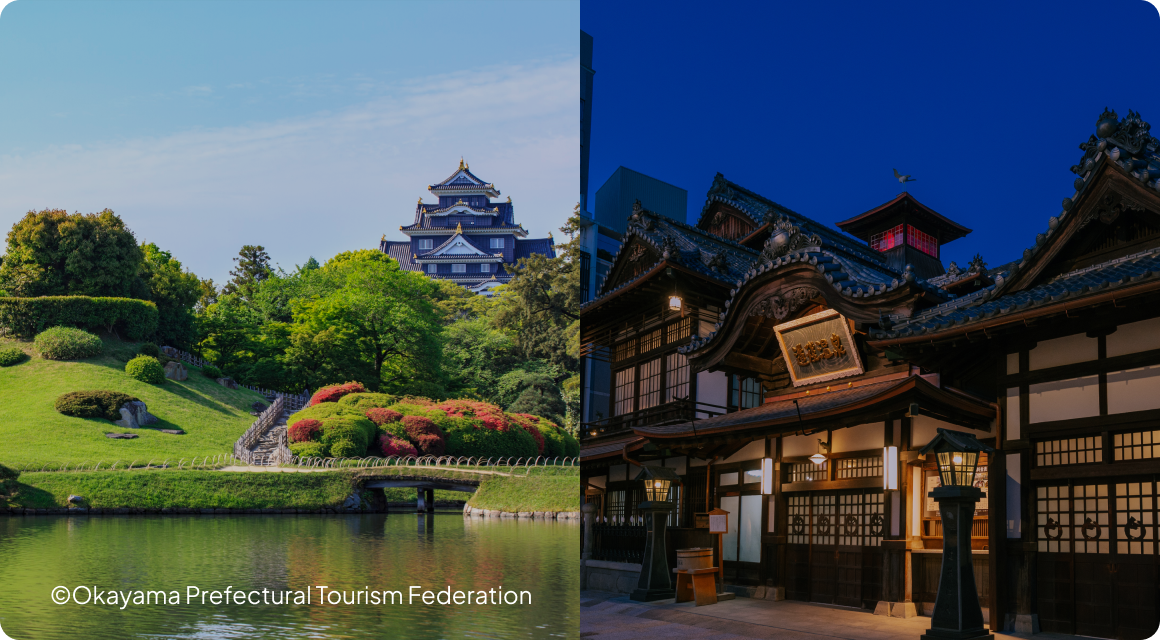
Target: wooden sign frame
column 841, row 329
column 718, row 517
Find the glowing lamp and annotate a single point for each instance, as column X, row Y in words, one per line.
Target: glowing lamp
column 818, row 458
column 657, row 481
column 674, row 303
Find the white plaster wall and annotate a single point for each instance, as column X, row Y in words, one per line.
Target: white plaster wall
column 713, row 388
column 1134, row 390
column 1013, row 426
column 1134, row 337
column 915, row 501
column 800, row 445
column 598, row 481
column 1014, row 495
column 1012, row 363
column 857, row 438
column 751, row 451
column 676, row 463
column 618, row 473
column 923, row 429
column 1064, row 399
column 1065, row 350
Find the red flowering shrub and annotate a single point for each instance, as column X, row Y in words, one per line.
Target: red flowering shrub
column 430, row 444
column 383, row 416
column 392, row 446
column 418, row 426
column 530, row 424
column 490, row 415
column 305, row 430
column 334, row 392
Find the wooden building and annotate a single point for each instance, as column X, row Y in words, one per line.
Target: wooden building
column 744, row 346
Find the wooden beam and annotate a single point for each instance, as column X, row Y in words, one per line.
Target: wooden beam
column 1122, row 468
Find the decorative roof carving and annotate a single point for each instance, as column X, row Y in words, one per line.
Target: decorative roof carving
column 953, row 269
column 787, row 238
column 780, row 305
column 977, row 265
column 717, row 262
column 721, row 188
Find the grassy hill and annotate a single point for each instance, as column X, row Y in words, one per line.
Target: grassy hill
column 31, row 430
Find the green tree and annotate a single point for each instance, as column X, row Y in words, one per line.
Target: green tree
column 175, row 292
column 253, row 266
column 476, row 354
column 52, row 253
column 229, row 329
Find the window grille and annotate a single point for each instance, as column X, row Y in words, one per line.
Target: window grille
column 677, row 377
column 747, row 392
column 1049, row 453
column 887, row 239
column 1136, row 446
column 859, row 467
column 808, row 471
column 678, row 330
column 650, row 341
column 497, row 243
column 860, row 519
column 922, row 241
column 485, row 268
column 1090, row 510
column 799, row 515
column 432, row 268
column 626, row 349
column 1135, row 517
column 650, row 383
column 425, row 243
column 614, row 511
column 824, row 520
column 458, row 268
column 625, row 381
column 1054, row 524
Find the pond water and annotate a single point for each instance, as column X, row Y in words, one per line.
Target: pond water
column 358, row 557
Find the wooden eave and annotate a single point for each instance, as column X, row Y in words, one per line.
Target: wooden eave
column 707, row 215
column 1108, row 178
column 783, row 279
column 862, row 225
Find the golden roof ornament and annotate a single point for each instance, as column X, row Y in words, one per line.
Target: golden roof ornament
column 384, row 237
column 461, row 163
column 458, row 227
column 420, row 201
column 414, row 256
column 509, row 199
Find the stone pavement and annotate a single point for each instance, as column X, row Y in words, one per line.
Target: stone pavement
column 608, row 616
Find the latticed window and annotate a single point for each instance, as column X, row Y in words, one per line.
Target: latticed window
column 1135, row 516
column 676, row 377
column 485, row 268
column 808, row 471
column 432, row 268
column 747, row 392
column 614, row 509
column 1090, row 509
column 825, row 519
column 887, row 239
column 650, row 341
column 1069, row 451
column 678, row 330
column 859, row 467
column 924, row 242
column 626, row 349
column 1054, row 526
column 650, row 384
column 625, row 383
column 799, row 519
column 860, row 519
column 1136, row 446
column 458, row 268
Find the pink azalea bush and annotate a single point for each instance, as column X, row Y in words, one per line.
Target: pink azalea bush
column 334, row 392
column 305, row 430
column 392, row 446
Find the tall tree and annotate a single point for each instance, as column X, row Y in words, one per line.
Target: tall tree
column 53, row 253
column 253, row 267
column 175, row 292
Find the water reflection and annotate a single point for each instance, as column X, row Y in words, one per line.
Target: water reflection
column 296, row 553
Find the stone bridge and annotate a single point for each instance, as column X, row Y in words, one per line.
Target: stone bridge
column 424, row 485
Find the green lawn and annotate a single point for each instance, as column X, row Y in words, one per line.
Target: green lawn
column 532, row 493
column 212, row 416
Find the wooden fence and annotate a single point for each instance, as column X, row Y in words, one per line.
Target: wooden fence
column 243, row 447
column 294, row 401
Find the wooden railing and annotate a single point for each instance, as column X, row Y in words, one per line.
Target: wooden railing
column 667, row 413
column 618, row 542
column 243, row 447
column 294, row 401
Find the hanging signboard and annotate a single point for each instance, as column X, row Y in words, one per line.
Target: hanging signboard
column 818, row 348
column 718, row 521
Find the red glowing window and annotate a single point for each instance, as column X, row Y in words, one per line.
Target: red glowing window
column 921, row 241
column 887, row 239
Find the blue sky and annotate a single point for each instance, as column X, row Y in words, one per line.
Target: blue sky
column 308, row 127
column 812, row 104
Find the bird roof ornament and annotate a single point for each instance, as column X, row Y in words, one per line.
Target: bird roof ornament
column 903, row 178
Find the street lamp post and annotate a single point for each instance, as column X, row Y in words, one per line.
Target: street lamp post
column 656, row 582
column 957, row 614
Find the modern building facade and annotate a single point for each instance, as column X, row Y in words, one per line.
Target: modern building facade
column 464, row 236
column 790, row 373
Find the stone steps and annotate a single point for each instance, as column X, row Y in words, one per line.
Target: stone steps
column 267, row 445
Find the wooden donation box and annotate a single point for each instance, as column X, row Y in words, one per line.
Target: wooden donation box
column 695, row 579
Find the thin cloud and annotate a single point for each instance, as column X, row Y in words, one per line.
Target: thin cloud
column 327, row 182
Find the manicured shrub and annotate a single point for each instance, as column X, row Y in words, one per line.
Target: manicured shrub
column 308, row 449
column 93, row 404
column 128, row 317
column 322, row 412
column 491, row 416
column 382, row 416
column 145, row 369
column 334, row 392
column 364, row 401
column 149, row 349
column 66, row 343
column 210, row 371
column 430, row 444
column 11, row 356
column 346, row 449
column 418, row 425
column 478, row 441
column 358, row 430
column 304, row 430
column 396, row 447
column 395, row 430
column 529, row 423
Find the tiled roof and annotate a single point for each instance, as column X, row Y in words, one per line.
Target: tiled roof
column 401, row 252
column 448, row 241
column 447, row 184
column 606, row 448
column 543, row 246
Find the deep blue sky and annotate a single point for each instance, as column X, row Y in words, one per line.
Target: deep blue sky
column 307, row 126
column 812, row 104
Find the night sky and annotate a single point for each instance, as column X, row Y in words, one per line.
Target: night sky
column 812, row 104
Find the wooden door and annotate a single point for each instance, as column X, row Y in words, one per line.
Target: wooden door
column 823, row 548
column 797, row 549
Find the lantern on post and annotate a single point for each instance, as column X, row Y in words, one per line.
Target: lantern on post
column 957, row 613
column 655, row 581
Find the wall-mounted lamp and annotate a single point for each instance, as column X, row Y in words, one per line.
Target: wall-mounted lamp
column 766, row 476
column 819, row 457
column 890, row 468
column 675, row 303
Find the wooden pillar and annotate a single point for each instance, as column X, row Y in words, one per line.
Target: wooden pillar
column 997, row 535
column 420, row 505
column 430, row 501
column 780, row 523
